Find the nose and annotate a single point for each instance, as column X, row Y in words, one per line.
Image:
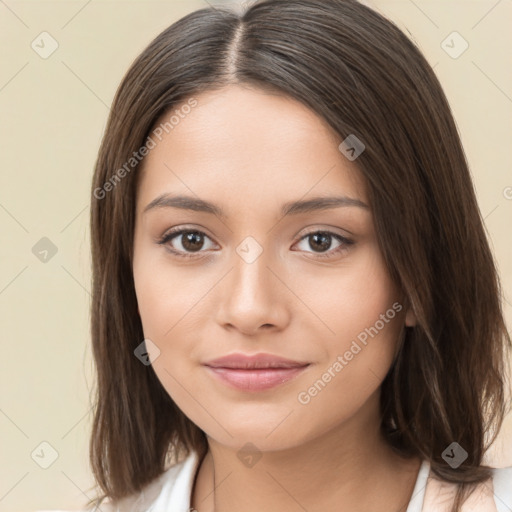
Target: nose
column 252, row 297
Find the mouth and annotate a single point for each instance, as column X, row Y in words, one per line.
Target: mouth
column 257, row 372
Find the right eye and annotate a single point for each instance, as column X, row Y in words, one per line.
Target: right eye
column 189, row 241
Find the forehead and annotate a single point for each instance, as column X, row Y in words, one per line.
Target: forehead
column 247, row 143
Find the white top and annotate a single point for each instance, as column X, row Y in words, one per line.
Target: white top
column 171, row 492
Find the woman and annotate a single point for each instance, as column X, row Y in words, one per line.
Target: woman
column 294, row 302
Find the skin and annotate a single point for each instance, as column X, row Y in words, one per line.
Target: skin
column 250, row 151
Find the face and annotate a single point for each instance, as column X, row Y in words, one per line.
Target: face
column 246, row 276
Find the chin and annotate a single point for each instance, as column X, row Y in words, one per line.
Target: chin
column 253, row 440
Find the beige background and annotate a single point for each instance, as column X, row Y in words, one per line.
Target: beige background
column 53, row 114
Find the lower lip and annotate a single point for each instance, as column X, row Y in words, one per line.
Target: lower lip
column 256, row 379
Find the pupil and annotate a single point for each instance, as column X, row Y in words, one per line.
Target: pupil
column 325, row 240
column 193, row 241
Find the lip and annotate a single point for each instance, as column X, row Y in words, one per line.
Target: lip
column 255, row 361
column 256, row 372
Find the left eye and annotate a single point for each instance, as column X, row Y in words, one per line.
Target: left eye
column 320, row 242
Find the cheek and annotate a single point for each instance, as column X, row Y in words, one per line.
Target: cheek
column 357, row 362
column 165, row 294
column 363, row 318
column 353, row 299
column 167, row 302
column 173, row 311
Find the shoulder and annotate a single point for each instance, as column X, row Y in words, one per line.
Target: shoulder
column 493, row 495
column 502, row 488
column 170, row 491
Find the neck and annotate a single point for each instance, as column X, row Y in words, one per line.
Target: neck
column 349, row 464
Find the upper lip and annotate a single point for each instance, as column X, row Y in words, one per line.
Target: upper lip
column 245, row 361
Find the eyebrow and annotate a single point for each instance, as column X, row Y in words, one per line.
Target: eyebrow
column 289, row 208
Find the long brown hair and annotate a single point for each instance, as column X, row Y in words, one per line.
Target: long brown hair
column 359, row 72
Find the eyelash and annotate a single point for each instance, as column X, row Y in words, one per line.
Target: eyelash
column 345, row 242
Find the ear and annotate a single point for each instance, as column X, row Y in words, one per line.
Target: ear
column 410, row 318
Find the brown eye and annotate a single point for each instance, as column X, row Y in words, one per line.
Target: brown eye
column 184, row 242
column 192, row 241
column 321, row 241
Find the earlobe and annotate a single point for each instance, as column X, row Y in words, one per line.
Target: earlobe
column 410, row 318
